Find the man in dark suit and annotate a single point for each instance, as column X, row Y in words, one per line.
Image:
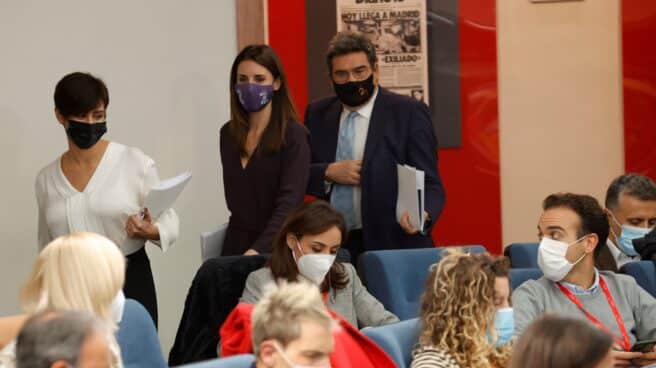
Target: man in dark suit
column 631, row 213
column 357, row 138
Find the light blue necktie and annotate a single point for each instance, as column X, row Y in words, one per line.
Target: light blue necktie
column 342, row 195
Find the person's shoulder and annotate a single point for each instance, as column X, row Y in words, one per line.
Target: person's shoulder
column 432, row 357
column 130, row 154
column 9, row 328
column 261, row 275
column 533, row 287
column 224, row 128
column 322, row 104
column 48, row 170
column 350, row 271
column 617, row 279
column 397, row 101
column 296, row 130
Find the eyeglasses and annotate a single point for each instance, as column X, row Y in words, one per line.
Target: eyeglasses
column 357, row 74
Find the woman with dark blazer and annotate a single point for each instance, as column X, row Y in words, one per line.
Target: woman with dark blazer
column 264, row 152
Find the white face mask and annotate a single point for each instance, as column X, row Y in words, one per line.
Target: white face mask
column 551, row 258
column 117, row 305
column 313, row 266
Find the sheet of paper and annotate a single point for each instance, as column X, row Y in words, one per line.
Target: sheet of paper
column 410, row 195
column 162, row 195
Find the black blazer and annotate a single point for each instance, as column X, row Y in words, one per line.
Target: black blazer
column 261, row 195
column 400, row 132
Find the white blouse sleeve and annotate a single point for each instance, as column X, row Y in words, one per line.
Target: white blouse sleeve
column 168, row 223
column 44, row 236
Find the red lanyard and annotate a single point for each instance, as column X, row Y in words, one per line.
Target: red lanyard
column 627, row 343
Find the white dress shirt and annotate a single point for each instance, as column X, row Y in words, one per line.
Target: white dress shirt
column 116, row 191
column 620, row 258
column 361, row 129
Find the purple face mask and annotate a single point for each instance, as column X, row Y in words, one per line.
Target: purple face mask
column 253, row 97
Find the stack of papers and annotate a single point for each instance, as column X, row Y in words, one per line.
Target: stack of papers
column 162, row 195
column 411, row 195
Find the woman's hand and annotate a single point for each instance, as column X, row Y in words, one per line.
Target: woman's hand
column 142, row 227
column 251, row 252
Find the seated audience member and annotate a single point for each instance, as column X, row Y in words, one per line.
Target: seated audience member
column 305, row 248
column 573, row 229
column 292, row 327
column 465, row 313
column 562, row 342
column 62, row 340
column 631, row 212
column 278, row 332
column 81, row 271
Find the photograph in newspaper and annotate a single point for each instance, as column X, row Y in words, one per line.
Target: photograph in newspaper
column 398, row 30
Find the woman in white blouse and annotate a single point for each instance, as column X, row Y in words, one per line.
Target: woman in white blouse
column 100, row 186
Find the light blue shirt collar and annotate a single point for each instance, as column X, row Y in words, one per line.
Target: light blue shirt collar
column 577, row 290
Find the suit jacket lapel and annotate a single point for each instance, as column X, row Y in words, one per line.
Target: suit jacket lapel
column 332, row 126
column 375, row 131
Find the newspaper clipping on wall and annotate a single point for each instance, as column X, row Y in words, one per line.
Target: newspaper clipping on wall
column 398, row 29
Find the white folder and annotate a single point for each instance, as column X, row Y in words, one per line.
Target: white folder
column 411, row 195
column 162, row 195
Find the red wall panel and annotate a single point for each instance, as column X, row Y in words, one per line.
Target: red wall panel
column 639, row 85
column 471, row 173
column 287, row 36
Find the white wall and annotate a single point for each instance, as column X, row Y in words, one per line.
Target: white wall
column 560, row 104
column 166, row 63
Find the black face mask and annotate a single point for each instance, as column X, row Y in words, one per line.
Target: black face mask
column 355, row 93
column 85, row 135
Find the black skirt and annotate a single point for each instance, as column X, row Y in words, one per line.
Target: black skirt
column 139, row 283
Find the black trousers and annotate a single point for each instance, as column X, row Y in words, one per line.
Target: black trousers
column 139, row 283
column 354, row 245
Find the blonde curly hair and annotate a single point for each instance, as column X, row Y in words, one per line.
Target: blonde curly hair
column 457, row 309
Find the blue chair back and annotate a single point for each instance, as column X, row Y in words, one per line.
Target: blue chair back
column 522, row 255
column 397, row 277
column 519, row 275
column 237, row 361
column 644, row 272
column 397, row 340
column 137, row 338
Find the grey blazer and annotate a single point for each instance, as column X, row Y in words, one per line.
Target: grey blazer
column 353, row 303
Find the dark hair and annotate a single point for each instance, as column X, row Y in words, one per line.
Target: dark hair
column 593, row 218
column 311, row 218
column 282, row 108
column 78, row 93
column 561, row 342
column 51, row 336
column 635, row 185
column 347, row 42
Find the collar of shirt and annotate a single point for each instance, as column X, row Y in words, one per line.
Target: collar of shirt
column 364, row 111
column 577, row 290
column 620, row 258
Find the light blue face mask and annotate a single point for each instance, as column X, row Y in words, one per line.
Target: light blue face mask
column 504, row 323
column 628, row 233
